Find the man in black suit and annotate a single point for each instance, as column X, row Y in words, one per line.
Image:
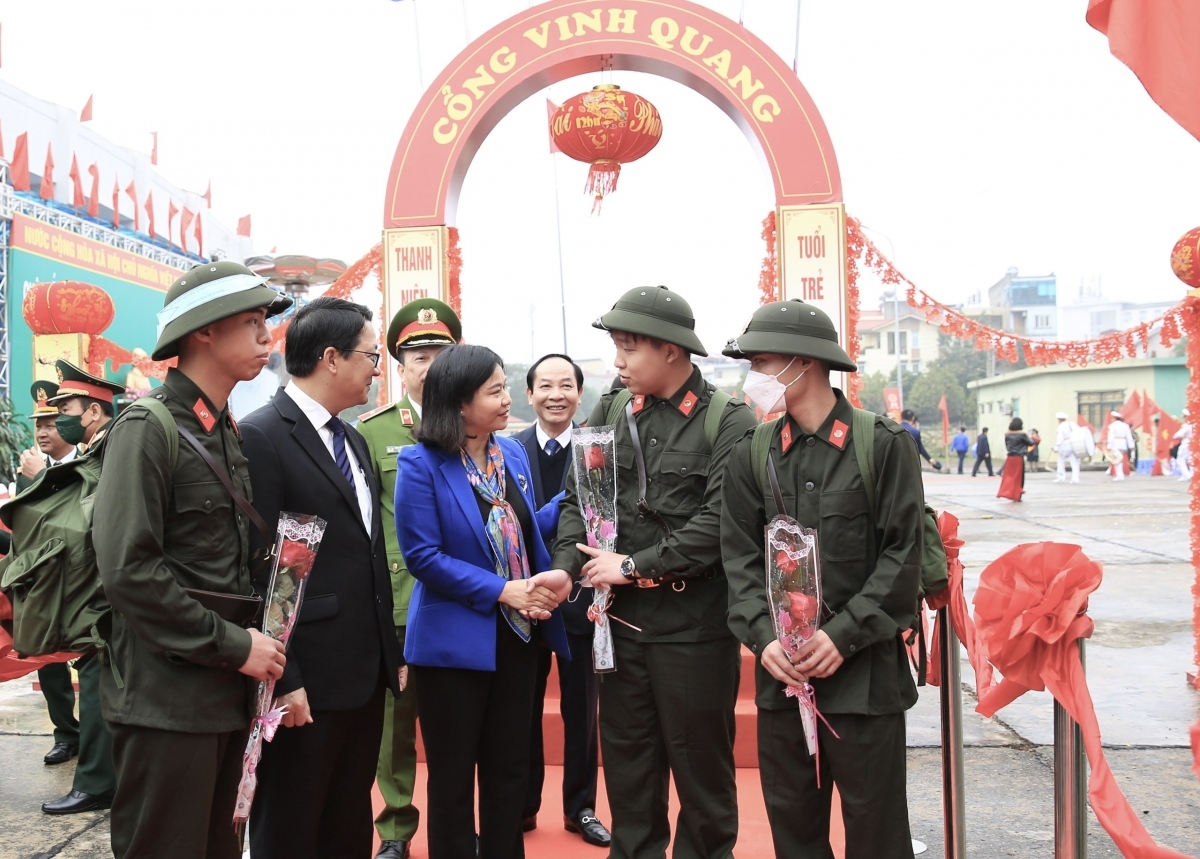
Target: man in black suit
column 315, row 778
column 554, row 386
column 983, row 453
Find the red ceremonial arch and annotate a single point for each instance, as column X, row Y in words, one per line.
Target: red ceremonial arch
column 548, row 43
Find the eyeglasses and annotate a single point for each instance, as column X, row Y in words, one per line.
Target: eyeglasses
column 374, row 356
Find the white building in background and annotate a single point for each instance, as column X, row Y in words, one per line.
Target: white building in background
column 880, row 346
column 1092, row 314
column 1023, row 305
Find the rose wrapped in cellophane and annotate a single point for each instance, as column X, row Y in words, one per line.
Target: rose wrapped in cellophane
column 793, row 566
column 595, row 461
column 297, row 539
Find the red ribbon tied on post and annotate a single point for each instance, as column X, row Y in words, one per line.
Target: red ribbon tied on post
column 1030, row 610
column 954, row 599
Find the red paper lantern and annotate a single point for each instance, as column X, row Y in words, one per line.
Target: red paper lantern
column 1185, row 258
column 606, row 128
column 67, row 307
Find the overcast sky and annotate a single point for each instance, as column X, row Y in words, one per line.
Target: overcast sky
column 974, row 136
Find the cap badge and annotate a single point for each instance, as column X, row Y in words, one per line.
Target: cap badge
column 41, row 394
column 58, row 370
column 427, row 316
column 837, row 437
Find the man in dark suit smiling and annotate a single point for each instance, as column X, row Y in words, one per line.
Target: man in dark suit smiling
column 554, row 386
column 314, row 782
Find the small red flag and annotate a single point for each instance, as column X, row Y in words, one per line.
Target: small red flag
column 47, row 190
column 18, row 170
column 172, row 211
column 116, row 207
column 199, row 234
column 85, row 115
column 208, row 194
column 185, row 221
column 77, row 198
column 154, row 148
column 551, row 109
column 131, row 190
column 244, row 226
column 150, row 211
column 945, row 419
column 93, row 206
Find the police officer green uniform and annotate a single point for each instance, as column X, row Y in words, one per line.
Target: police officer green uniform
column 669, row 707
column 870, row 566
column 180, row 716
column 425, row 323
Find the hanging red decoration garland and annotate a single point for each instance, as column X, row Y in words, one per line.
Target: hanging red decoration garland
column 606, row 128
column 454, row 270
column 768, row 275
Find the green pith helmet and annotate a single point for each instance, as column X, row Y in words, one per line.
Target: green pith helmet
column 791, row 328
column 42, row 391
column 208, row 293
column 74, row 382
column 423, row 322
column 654, row 311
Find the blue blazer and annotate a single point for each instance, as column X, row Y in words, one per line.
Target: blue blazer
column 452, row 614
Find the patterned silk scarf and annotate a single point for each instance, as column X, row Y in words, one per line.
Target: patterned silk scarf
column 503, row 528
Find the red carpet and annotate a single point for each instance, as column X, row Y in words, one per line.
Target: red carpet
column 551, row 841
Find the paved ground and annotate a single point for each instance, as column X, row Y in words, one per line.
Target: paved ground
column 1136, row 666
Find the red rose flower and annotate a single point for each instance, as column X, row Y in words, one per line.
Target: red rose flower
column 785, row 563
column 593, row 457
column 803, row 608
column 297, row 558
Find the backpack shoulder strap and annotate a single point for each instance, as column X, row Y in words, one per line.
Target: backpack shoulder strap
column 863, row 430
column 712, row 418
column 157, row 408
column 617, row 405
column 760, row 449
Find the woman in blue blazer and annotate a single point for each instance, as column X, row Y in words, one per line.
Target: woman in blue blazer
column 485, row 595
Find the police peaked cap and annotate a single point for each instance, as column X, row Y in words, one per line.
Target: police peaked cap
column 423, row 322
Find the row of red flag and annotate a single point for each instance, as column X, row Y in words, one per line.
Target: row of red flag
column 20, row 178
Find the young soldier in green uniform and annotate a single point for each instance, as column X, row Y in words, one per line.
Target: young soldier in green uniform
column 668, row 709
column 870, row 566
column 418, row 331
column 85, row 407
column 179, row 718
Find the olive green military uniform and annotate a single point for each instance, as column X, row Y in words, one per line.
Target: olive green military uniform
column 669, row 707
column 870, row 569
column 425, row 322
column 386, row 431
column 179, row 718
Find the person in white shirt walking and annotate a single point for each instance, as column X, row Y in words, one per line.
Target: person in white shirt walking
column 1119, row 443
column 1183, row 457
column 1066, row 450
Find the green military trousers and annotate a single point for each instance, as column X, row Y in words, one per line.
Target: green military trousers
column 866, row 760
column 396, row 774
column 94, row 773
column 55, row 680
column 668, row 710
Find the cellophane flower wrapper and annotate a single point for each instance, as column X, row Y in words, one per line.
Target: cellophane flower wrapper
column 793, row 566
column 595, row 461
column 297, row 539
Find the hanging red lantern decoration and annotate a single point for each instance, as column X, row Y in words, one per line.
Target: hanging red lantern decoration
column 606, row 128
column 67, row 307
column 1185, row 258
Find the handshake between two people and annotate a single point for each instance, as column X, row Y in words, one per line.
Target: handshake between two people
column 538, row 595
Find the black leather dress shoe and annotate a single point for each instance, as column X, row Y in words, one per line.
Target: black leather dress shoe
column 589, row 827
column 76, row 801
column 61, row 753
column 528, row 824
column 393, row 850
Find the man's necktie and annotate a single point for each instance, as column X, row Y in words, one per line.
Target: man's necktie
column 338, row 429
column 553, row 447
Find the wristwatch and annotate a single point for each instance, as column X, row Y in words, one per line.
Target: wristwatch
column 629, row 569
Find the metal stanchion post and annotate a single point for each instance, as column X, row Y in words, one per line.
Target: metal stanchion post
column 1070, row 784
column 953, row 803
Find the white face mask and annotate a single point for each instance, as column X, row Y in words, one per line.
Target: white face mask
column 767, row 392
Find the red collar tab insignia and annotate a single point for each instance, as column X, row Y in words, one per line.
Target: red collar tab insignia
column 786, row 435
column 639, row 403
column 688, row 403
column 837, row 436
column 406, row 417
column 204, row 415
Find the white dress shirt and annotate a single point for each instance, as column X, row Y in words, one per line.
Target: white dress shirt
column 52, row 461
column 318, row 415
column 416, row 407
column 563, row 440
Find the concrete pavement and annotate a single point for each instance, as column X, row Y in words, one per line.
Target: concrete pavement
column 1136, row 666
